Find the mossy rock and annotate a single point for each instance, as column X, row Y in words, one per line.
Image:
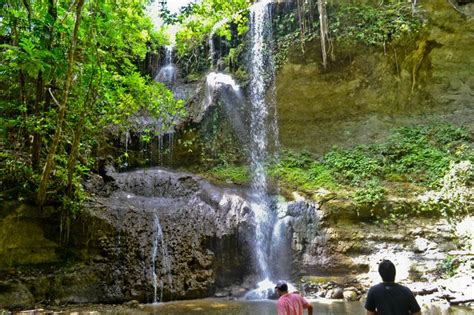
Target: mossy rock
column 15, row 295
column 23, row 240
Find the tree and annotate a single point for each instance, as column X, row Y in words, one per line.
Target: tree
column 323, row 26
column 49, row 165
column 67, row 71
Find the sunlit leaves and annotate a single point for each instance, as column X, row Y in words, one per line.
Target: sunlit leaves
column 374, row 25
column 107, row 86
column 198, row 24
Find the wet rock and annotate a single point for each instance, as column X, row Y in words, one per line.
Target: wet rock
column 350, row 295
column 238, row 292
column 15, row 295
column 421, row 245
column 132, row 304
column 221, row 294
column 336, row 294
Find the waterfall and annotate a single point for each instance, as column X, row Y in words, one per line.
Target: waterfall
column 170, row 146
column 159, row 241
column 215, row 82
column 223, row 87
column 212, row 51
column 168, row 72
column 260, row 63
column 125, row 140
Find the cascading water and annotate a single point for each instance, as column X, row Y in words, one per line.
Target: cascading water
column 228, row 91
column 260, row 28
column 214, row 82
column 168, row 72
column 167, row 75
column 212, row 52
column 170, row 146
column 125, row 140
column 159, row 241
column 262, row 121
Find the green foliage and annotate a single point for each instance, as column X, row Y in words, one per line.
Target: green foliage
column 18, row 179
column 287, row 33
column 197, row 25
column 353, row 166
column 373, row 25
column 421, row 155
column 349, row 24
column 301, row 171
column 107, row 89
column 231, row 174
column 449, row 265
column 371, row 193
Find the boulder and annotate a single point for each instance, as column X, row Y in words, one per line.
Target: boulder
column 15, row 295
column 350, row 295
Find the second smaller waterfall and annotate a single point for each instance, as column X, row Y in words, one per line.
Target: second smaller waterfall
column 168, row 72
column 159, row 242
column 221, row 86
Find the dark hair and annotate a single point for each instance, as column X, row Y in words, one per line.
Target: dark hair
column 387, row 271
column 282, row 286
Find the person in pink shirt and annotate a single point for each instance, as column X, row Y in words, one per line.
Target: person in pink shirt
column 291, row 303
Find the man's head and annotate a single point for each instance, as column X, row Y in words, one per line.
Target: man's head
column 387, row 271
column 281, row 288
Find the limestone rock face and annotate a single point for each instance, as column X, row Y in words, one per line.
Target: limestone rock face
column 190, row 234
column 146, row 234
column 365, row 92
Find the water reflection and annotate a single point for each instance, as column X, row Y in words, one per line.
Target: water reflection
column 225, row 307
column 266, row 307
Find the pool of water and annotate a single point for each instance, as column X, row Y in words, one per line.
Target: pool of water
column 224, row 307
column 227, row 307
column 219, row 307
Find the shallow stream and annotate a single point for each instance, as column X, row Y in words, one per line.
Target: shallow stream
column 229, row 307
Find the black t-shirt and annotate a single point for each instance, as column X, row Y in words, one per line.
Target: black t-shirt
column 390, row 298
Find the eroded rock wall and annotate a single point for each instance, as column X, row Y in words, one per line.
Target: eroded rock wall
column 367, row 91
column 109, row 252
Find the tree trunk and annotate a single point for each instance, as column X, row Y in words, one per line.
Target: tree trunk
column 36, row 147
column 49, row 165
column 301, row 20
column 42, row 97
column 71, row 162
column 323, row 25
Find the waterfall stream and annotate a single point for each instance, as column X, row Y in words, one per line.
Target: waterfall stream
column 168, row 72
column 167, row 75
column 159, row 241
column 263, row 129
column 260, row 57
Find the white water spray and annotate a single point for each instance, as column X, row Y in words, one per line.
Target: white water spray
column 216, row 81
column 260, row 28
column 212, row 51
column 168, row 73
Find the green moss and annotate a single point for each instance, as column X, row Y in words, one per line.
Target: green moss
column 231, row 174
column 23, row 242
column 299, row 171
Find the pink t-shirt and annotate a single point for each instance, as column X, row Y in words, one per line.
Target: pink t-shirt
column 291, row 304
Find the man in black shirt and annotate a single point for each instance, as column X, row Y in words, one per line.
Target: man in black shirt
column 388, row 297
